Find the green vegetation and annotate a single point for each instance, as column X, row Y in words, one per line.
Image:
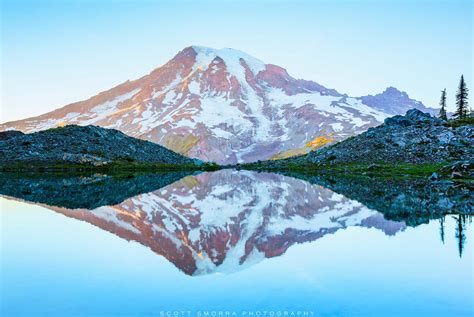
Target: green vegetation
column 442, row 103
column 460, row 122
column 126, row 167
column 462, row 116
column 379, row 169
column 123, row 165
column 461, row 100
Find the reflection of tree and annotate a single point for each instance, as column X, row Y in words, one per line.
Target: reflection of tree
column 441, row 228
column 462, row 221
column 460, row 232
column 412, row 200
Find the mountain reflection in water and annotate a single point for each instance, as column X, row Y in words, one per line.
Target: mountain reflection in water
column 227, row 220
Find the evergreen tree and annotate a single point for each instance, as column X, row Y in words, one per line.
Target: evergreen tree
column 461, row 100
column 460, row 232
column 442, row 103
column 441, row 228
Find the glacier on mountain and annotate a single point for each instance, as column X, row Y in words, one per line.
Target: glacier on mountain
column 226, row 106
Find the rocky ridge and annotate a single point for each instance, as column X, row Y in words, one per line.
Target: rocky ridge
column 84, row 145
column 415, row 138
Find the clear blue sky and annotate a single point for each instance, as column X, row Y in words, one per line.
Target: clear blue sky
column 57, row 52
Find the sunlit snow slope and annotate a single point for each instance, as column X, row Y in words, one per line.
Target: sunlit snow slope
column 226, row 106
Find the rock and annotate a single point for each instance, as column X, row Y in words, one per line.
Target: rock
column 85, row 159
column 397, row 120
column 459, row 169
column 415, row 138
column 446, row 183
column 466, row 131
column 89, row 145
column 456, row 175
column 445, row 137
column 412, row 116
column 416, row 116
column 370, row 133
column 372, row 167
column 10, row 134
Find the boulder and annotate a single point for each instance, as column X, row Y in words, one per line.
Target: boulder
column 6, row 135
column 460, row 169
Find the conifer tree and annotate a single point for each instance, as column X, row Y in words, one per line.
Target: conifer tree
column 441, row 228
column 460, row 232
column 442, row 103
column 461, row 100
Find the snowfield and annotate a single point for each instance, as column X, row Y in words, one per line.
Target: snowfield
column 226, row 106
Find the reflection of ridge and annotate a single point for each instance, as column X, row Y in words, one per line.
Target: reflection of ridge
column 412, row 200
column 227, row 220
column 83, row 191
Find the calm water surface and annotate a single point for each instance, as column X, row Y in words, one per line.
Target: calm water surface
column 229, row 240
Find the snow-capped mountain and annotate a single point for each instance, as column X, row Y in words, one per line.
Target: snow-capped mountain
column 227, row 220
column 226, row 106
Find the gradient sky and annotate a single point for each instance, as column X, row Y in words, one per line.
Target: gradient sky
column 58, row 52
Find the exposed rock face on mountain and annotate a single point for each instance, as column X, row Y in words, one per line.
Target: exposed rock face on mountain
column 226, row 106
column 393, row 101
column 88, row 145
column 414, row 138
column 227, row 220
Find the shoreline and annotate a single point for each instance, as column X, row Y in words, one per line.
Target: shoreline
column 343, row 170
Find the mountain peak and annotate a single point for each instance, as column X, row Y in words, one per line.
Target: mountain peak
column 392, row 91
column 226, row 106
column 394, row 101
column 231, row 57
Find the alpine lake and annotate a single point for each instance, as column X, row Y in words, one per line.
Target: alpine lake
column 234, row 243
